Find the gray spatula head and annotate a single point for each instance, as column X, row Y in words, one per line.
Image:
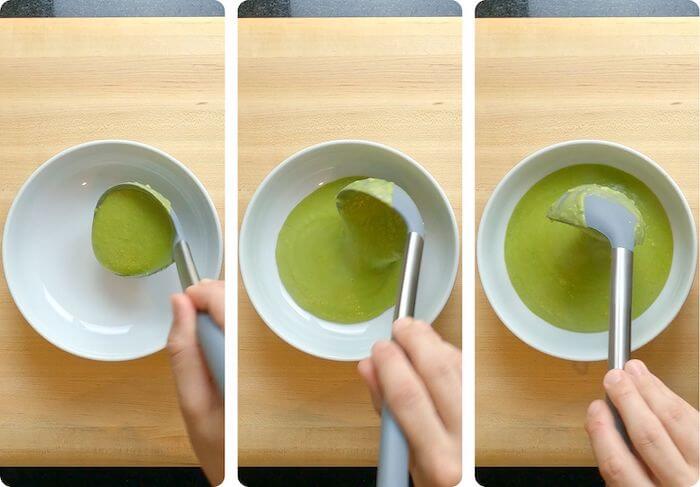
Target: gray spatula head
column 608, row 213
column 390, row 194
column 378, row 216
column 405, row 206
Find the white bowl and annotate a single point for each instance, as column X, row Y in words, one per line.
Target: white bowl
column 293, row 180
column 52, row 273
column 505, row 301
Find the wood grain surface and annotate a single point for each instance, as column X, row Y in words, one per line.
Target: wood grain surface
column 541, row 81
column 67, row 81
column 304, row 81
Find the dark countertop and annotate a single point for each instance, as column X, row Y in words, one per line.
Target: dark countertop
column 112, row 8
column 487, row 8
column 349, row 8
column 586, row 8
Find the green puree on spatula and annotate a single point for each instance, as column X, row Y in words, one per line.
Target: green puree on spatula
column 132, row 234
column 561, row 272
column 340, row 258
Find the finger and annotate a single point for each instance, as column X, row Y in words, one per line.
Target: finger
column 208, row 295
column 438, row 364
column 369, row 376
column 213, row 282
column 677, row 416
column 617, row 464
column 648, row 435
column 192, row 380
column 407, row 398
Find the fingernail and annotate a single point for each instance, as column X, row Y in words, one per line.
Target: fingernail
column 594, row 408
column 402, row 323
column 613, row 377
column 206, row 280
column 636, row 367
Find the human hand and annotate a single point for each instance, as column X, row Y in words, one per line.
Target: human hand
column 200, row 402
column 662, row 427
column 420, row 378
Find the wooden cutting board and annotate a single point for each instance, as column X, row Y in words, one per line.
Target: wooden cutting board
column 304, row 81
column 67, row 81
column 541, row 81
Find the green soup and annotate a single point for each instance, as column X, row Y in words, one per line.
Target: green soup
column 339, row 257
column 562, row 273
column 132, row 233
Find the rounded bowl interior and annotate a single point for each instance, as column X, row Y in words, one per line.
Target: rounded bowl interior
column 529, row 327
column 52, row 273
column 285, row 187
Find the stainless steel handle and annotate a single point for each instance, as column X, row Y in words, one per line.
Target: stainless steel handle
column 185, row 264
column 393, row 448
column 620, row 308
column 619, row 337
column 408, row 286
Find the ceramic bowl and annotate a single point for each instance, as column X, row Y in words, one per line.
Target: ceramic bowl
column 52, row 273
column 529, row 327
column 293, row 180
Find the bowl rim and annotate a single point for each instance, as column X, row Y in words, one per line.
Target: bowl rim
column 60, row 155
column 247, row 277
column 687, row 285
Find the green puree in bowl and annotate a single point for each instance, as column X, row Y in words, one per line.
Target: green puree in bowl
column 339, row 258
column 132, row 234
column 563, row 273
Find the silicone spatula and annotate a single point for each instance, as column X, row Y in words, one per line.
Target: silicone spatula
column 613, row 216
column 209, row 335
column 393, row 448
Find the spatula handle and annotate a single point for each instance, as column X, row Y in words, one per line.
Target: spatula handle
column 393, row 448
column 211, row 339
column 619, row 337
column 209, row 335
